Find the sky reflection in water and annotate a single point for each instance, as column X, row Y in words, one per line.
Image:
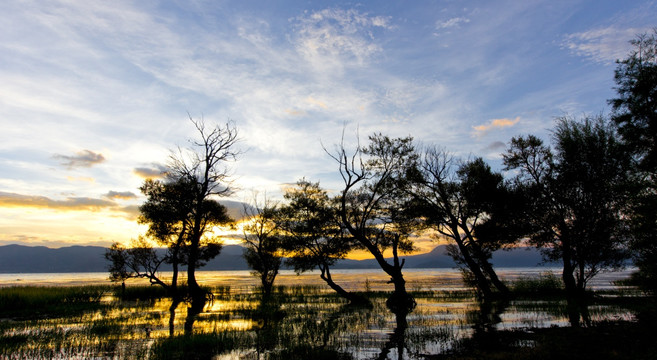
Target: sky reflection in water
column 309, row 312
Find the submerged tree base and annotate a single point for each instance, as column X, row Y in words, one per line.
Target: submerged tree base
column 401, row 303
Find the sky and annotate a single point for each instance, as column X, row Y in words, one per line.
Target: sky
column 94, row 95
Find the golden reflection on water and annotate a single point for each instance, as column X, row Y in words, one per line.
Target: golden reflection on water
column 306, row 312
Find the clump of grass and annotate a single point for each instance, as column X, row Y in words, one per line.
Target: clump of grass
column 38, row 301
column 547, row 284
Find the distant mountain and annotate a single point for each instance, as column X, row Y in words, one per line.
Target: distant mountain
column 40, row 259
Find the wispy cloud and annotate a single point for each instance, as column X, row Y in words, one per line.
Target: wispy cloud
column 120, row 195
column 71, row 203
column 483, row 129
column 81, row 178
column 84, row 158
column 451, row 23
column 331, row 38
column 604, row 45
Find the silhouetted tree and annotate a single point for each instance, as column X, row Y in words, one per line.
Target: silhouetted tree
column 453, row 202
column 635, row 113
column 373, row 204
column 204, row 164
column 167, row 212
column 576, row 199
column 313, row 233
column 262, row 242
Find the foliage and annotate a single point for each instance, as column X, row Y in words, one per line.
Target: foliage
column 635, row 113
column 313, row 234
column 204, row 166
column 455, row 202
column 635, row 108
column 373, row 205
column 262, row 242
column 575, row 198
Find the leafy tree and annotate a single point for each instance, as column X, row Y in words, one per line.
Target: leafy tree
column 313, row 234
column 167, row 213
column 635, row 113
column 576, row 199
column 453, row 202
column 204, row 166
column 263, row 243
column 373, row 205
column 635, row 108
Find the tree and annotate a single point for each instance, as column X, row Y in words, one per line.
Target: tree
column 204, row 165
column 262, row 242
column 576, row 199
column 373, row 206
column 635, row 108
column 635, row 114
column 313, row 234
column 167, row 212
column 453, row 202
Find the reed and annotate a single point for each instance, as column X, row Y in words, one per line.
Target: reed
column 39, row 301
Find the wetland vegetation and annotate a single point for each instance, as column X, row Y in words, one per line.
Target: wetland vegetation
column 312, row 321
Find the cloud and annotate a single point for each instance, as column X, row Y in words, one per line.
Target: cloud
column 81, row 178
column 314, row 101
column 120, row 195
column 451, row 23
column 496, row 146
column 334, row 37
column 84, row 158
column 481, row 130
column 604, row 45
column 295, row 112
column 131, row 212
column 72, row 203
column 153, row 172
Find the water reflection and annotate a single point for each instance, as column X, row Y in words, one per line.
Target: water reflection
column 306, row 318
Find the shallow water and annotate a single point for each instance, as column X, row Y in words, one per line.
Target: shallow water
column 353, row 280
column 306, row 314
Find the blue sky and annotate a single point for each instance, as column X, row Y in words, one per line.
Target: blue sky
column 94, row 94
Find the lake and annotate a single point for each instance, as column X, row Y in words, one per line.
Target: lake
column 353, row 280
column 237, row 325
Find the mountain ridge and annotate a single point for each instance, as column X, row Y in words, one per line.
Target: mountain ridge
column 79, row 258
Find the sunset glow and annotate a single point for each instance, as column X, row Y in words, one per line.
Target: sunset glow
column 95, row 95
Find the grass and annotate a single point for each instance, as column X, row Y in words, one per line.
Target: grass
column 545, row 285
column 307, row 322
column 39, row 301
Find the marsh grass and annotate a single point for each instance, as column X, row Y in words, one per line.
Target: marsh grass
column 545, row 285
column 295, row 322
column 38, row 301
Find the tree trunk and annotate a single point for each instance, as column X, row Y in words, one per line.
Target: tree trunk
column 175, row 295
column 482, row 283
column 487, row 267
column 400, row 302
column 353, row 298
column 172, row 316
column 572, row 292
